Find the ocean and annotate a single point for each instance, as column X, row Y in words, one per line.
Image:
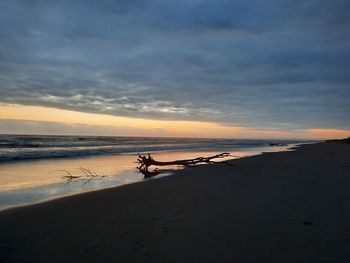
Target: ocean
column 34, row 147
column 33, row 168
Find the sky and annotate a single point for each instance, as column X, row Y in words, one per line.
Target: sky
column 188, row 68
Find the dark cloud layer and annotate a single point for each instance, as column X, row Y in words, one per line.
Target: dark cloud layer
column 264, row 64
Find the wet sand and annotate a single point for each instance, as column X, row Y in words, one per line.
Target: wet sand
column 275, row 207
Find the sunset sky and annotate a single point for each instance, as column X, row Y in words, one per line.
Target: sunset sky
column 188, row 68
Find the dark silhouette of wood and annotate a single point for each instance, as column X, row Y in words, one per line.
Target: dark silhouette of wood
column 88, row 175
column 69, row 177
column 145, row 161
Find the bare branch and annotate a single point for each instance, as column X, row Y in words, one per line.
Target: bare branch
column 69, row 177
column 88, row 175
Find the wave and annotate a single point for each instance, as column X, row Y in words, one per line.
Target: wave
column 19, row 147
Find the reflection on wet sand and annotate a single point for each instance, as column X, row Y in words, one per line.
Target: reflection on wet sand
column 31, row 182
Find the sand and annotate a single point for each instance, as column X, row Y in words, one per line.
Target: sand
column 275, row 207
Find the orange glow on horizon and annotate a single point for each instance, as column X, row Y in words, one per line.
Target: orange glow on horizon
column 169, row 128
column 329, row 133
column 149, row 127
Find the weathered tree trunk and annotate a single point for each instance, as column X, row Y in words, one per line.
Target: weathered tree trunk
column 145, row 161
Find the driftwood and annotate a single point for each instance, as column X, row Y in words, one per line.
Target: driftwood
column 88, row 175
column 69, row 177
column 145, row 161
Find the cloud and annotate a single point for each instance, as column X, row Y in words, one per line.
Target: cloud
column 263, row 64
column 56, row 128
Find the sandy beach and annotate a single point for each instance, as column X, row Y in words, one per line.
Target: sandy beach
column 276, row 207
